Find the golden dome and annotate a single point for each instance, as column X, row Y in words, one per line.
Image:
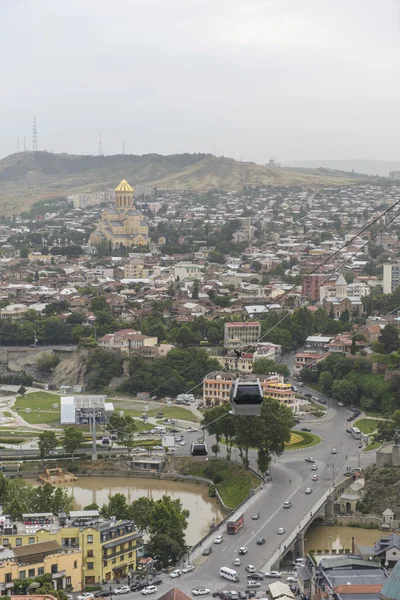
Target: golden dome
column 123, row 187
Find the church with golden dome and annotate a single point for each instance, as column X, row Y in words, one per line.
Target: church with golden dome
column 122, row 225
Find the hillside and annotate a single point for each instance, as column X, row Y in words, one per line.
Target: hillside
column 26, row 177
column 369, row 167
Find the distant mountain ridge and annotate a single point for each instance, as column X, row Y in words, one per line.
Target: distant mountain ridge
column 362, row 166
column 27, row 177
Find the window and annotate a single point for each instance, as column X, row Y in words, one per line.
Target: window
column 90, row 539
column 90, row 580
column 31, row 540
column 121, row 532
column 121, row 558
column 130, row 555
column 18, row 542
column 104, row 563
column 90, row 566
column 68, row 581
column 114, row 560
column 75, row 564
column 90, row 553
column 40, row 571
column 8, row 578
column 54, row 568
column 5, row 542
column 31, row 573
column 22, row 574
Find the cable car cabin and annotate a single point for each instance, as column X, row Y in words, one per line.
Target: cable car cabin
column 246, row 397
column 198, row 449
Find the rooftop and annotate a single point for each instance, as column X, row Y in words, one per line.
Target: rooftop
column 123, row 187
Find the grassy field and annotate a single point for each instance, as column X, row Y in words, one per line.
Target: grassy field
column 169, row 412
column 43, row 400
column 372, row 446
column 233, row 481
column 40, row 417
column 367, row 425
column 302, row 439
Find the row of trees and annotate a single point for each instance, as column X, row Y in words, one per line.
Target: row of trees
column 18, row 497
column 267, row 433
column 164, row 521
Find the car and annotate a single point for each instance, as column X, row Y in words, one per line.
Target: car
column 314, row 477
column 287, row 504
column 281, row 531
column 360, row 445
column 260, row 541
column 300, row 383
column 123, row 589
column 251, row 583
column 182, row 442
column 314, row 468
column 333, row 451
column 237, row 562
column 242, row 596
column 154, row 581
column 308, row 491
column 310, row 459
column 200, row 591
column 136, row 587
column 307, row 395
column 158, row 448
column 322, row 400
column 243, row 550
column 173, row 430
column 150, row 589
column 188, row 569
column 348, row 430
column 207, row 551
column 99, row 594
column 87, row 595
column 192, row 430
column 256, row 576
column 139, row 450
column 251, row 593
column 273, row 574
column 219, row 539
column 306, row 429
column 340, row 403
column 349, row 419
column 179, row 438
column 175, row 573
column 292, row 579
column 256, row 516
column 250, row 568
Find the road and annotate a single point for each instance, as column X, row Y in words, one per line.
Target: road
column 291, row 475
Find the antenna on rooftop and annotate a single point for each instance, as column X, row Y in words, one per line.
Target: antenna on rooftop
column 100, row 146
column 34, row 135
column 123, row 147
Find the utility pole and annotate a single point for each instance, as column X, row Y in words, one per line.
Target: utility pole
column 94, row 447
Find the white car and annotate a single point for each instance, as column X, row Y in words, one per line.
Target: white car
column 243, row 550
column 150, row 589
column 85, row 596
column 237, row 562
column 188, row 569
column 340, row 403
column 280, row 531
column 292, row 579
column 314, row 468
column 158, row 447
column 192, row 430
column 250, row 568
column 200, row 591
column 315, row 478
column 176, row 573
column 273, row 574
column 219, row 539
column 182, row 443
column 287, row 504
column 334, row 451
column 139, row 450
column 124, row 589
column 308, row 491
column 253, row 584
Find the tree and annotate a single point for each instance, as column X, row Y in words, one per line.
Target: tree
column 140, row 511
column 345, row 316
column 325, row 381
column 353, row 349
column 117, row 507
column 195, row 291
column 345, row 391
column 263, row 366
column 166, row 548
column 73, row 439
column 47, row 443
column 22, row 391
column 215, row 449
column 24, row 252
column 124, row 428
column 47, row 361
column 389, row 338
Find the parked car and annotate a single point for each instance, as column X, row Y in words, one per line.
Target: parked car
column 151, row 589
column 219, row 539
column 200, row 591
column 287, row 504
column 123, row 589
column 192, row 430
column 322, row 400
column 175, row 573
column 243, row 550
column 256, row 516
column 85, row 596
column 188, row 569
column 140, row 585
column 292, row 579
column 307, row 396
column 273, row 574
column 251, row 583
column 207, row 551
column 260, row 541
column 281, row 531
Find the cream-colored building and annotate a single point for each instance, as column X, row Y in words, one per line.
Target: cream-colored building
column 217, row 385
column 13, row 312
column 126, row 340
column 238, row 334
column 135, row 269
column 122, row 225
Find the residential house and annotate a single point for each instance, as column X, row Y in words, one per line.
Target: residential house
column 13, row 312
column 126, row 341
column 239, row 334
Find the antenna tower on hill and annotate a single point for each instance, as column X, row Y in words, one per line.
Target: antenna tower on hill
column 34, row 135
column 100, row 146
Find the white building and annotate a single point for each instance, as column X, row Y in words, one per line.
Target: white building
column 80, row 410
column 391, row 277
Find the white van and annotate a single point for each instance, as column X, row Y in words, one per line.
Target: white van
column 298, row 562
column 230, row 574
column 160, row 430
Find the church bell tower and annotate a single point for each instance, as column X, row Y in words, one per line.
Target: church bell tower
column 123, row 194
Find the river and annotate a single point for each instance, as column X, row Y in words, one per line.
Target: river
column 319, row 537
column 203, row 509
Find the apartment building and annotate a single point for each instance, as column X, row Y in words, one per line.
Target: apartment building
column 13, row 312
column 126, row 341
column 310, row 286
column 307, row 359
column 243, row 365
column 217, row 385
column 135, row 269
column 108, row 548
column 239, row 334
column 391, row 277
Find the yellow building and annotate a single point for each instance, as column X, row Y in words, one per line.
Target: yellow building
column 135, row 269
column 41, row 558
column 122, row 225
column 217, row 385
column 108, row 548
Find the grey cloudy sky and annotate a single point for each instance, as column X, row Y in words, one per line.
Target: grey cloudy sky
column 295, row 79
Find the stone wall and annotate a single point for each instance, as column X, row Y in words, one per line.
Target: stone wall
column 364, row 521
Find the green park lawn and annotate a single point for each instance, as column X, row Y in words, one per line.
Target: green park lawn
column 367, row 425
column 175, row 412
column 372, row 446
column 43, row 400
column 307, row 440
column 40, row 417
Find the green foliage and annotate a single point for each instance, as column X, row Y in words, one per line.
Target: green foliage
column 18, row 497
column 73, row 439
column 47, row 443
column 47, row 361
column 325, row 382
column 124, row 428
column 179, row 371
column 102, row 366
column 263, row 366
column 377, row 479
column 389, row 339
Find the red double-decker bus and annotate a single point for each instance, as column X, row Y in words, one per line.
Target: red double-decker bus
column 235, row 524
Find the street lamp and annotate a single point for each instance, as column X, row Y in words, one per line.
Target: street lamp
column 34, row 338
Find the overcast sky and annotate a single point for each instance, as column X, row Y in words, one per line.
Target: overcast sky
column 252, row 79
